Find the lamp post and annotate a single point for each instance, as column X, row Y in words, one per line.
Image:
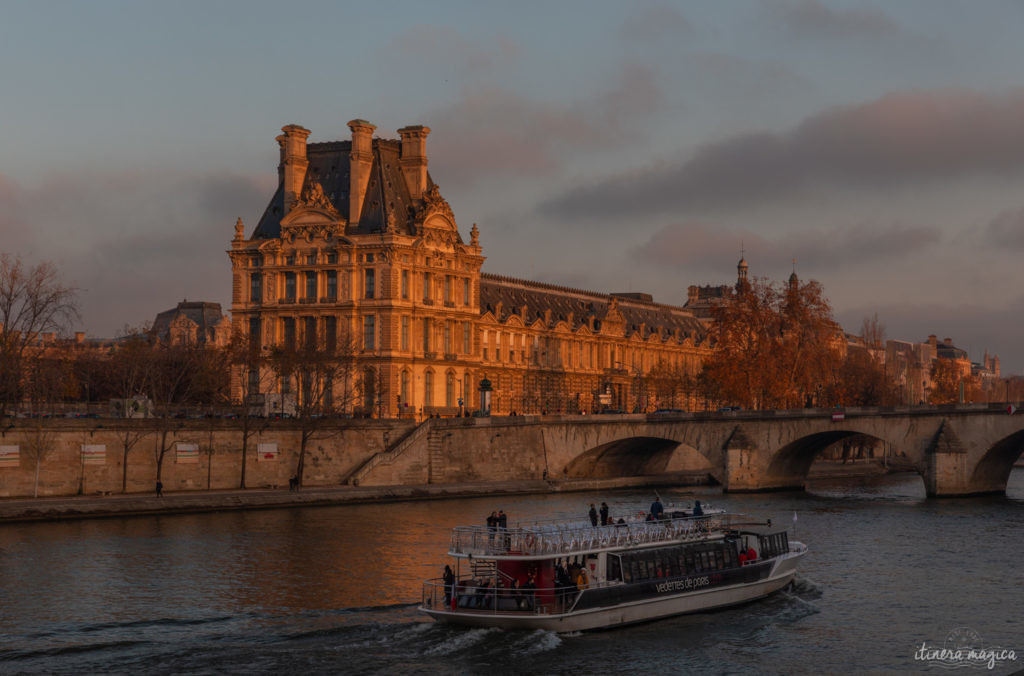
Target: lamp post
column 459, row 380
column 485, row 397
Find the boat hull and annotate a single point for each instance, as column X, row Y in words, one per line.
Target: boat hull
column 633, row 612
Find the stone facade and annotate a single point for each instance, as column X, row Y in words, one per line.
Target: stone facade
column 193, row 323
column 358, row 245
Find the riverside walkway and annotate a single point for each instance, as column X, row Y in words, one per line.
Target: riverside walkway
column 91, row 506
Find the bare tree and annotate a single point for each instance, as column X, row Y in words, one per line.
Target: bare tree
column 131, row 369
column 873, row 332
column 33, row 301
column 252, row 375
column 44, row 385
column 321, row 371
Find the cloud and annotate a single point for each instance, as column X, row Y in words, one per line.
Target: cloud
column 899, row 139
column 693, row 244
column 1007, row 230
column 134, row 243
column 810, row 18
column 496, row 132
column 653, row 22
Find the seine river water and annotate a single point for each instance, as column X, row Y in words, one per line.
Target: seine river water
column 333, row 590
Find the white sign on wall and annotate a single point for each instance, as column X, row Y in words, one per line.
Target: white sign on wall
column 267, row 452
column 10, row 456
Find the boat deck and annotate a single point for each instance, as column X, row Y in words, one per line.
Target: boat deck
column 560, row 538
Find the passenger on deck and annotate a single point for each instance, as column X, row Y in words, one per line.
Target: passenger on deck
column 604, row 514
column 743, row 558
column 449, row 582
column 492, row 527
column 656, row 508
column 751, row 555
column 697, row 511
column 593, row 515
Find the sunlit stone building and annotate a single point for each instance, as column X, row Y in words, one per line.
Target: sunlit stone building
column 357, row 245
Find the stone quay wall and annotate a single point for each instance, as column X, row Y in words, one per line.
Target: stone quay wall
column 86, row 456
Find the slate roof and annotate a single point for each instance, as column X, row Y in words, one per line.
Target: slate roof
column 562, row 301
column 386, row 192
column 206, row 315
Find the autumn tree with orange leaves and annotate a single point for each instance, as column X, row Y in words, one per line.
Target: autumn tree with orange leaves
column 775, row 347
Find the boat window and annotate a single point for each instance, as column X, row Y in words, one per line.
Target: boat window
column 614, row 568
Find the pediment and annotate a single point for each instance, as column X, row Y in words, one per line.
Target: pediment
column 312, row 216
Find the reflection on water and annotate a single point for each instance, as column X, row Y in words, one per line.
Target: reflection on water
column 335, row 587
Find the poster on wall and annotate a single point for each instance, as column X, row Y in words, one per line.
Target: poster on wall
column 267, row 453
column 187, row 454
column 94, row 454
column 9, row 456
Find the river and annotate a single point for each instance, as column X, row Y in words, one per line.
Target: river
column 333, row 590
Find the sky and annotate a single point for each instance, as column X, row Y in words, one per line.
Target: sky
column 605, row 145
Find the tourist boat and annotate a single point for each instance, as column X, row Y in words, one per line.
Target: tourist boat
column 567, row 577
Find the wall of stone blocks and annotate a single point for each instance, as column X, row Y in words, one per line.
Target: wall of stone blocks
column 65, row 470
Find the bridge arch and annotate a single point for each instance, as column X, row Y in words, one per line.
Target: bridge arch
column 791, row 463
column 992, row 471
column 637, row 456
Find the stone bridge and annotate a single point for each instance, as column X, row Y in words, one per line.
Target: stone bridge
column 958, row 450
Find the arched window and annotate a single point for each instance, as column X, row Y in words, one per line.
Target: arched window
column 428, row 388
column 404, row 391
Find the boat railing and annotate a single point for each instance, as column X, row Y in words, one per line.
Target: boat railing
column 556, row 540
column 468, row 595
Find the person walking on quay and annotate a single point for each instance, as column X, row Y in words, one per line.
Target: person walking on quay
column 593, row 515
column 656, row 509
column 604, row 513
column 159, row 489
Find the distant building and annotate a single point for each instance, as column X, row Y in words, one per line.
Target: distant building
column 358, row 242
column 193, row 323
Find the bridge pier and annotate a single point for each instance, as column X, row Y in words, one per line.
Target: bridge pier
column 746, row 469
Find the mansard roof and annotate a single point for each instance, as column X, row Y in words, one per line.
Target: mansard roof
column 563, row 302
column 205, row 315
column 387, row 196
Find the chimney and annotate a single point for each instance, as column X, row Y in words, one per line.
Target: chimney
column 360, row 160
column 79, row 337
column 414, row 159
column 293, row 162
column 932, row 340
column 948, row 342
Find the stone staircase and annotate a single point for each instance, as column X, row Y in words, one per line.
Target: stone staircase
column 435, row 454
column 391, row 453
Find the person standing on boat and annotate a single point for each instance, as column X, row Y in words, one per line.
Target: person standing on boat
column 449, row 582
column 492, row 527
column 503, row 527
column 697, row 511
column 604, row 513
column 656, row 509
column 593, row 515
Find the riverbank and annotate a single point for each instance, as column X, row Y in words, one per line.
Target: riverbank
column 182, row 502
column 96, row 506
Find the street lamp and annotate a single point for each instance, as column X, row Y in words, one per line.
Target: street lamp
column 459, row 380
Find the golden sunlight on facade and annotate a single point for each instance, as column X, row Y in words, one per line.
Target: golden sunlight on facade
column 358, row 248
